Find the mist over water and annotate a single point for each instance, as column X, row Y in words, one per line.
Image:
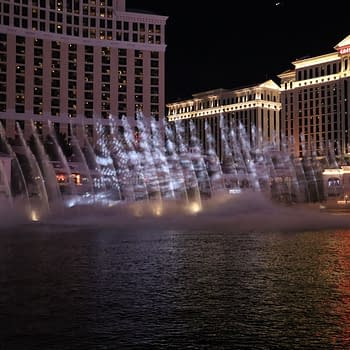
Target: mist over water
column 248, row 211
column 160, row 176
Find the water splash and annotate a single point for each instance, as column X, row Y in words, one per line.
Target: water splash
column 153, row 166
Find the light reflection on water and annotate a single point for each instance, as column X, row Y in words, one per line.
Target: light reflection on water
column 68, row 287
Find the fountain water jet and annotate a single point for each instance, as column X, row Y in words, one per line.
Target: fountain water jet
column 161, row 167
column 34, row 179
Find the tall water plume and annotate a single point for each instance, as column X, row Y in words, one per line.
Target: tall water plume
column 33, row 176
column 159, row 164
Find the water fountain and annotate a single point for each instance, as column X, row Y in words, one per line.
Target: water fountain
column 142, row 221
column 162, row 168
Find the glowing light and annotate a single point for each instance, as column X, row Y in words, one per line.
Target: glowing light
column 61, row 178
column 195, row 207
column 34, row 216
column 158, row 210
column 77, row 178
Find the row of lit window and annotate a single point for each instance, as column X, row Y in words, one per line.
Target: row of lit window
column 58, row 18
column 312, row 103
column 105, row 7
column 313, row 111
column 55, row 110
column 55, row 76
column 38, row 80
column 72, row 75
column 105, row 69
column 72, row 86
column 20, row 70
column 316, row 93
column 89, row 104
column 37, row 99
column 70, row 4
column 317, row 120
column 93, row 33
column 56, row 45
column 318, row 71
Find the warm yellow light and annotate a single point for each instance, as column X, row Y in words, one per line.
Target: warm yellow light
column 34, row 216
column 195, row 207
column 157, row 210
column 77, row 178
column 61, row 178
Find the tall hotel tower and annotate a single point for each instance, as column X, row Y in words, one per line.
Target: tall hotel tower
column 73, row 62
column 315, row 97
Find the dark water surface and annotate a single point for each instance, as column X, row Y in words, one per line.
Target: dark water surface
column 95, row 287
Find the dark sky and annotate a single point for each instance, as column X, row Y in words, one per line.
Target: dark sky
column 229, row 44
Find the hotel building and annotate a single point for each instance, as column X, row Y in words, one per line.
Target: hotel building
column 73, row 62
column 309, row 110
column 257, row 105
column 315, row 103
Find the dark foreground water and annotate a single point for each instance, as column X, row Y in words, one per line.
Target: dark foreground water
column 144, row 285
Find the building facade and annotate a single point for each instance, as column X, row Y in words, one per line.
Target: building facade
column 73, row 62
column 315, row 103
column 256, row 105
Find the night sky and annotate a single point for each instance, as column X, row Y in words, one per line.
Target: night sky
column 229, row 44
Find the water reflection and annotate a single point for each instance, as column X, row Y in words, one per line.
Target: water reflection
column 101, row 288
column 340, row 271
